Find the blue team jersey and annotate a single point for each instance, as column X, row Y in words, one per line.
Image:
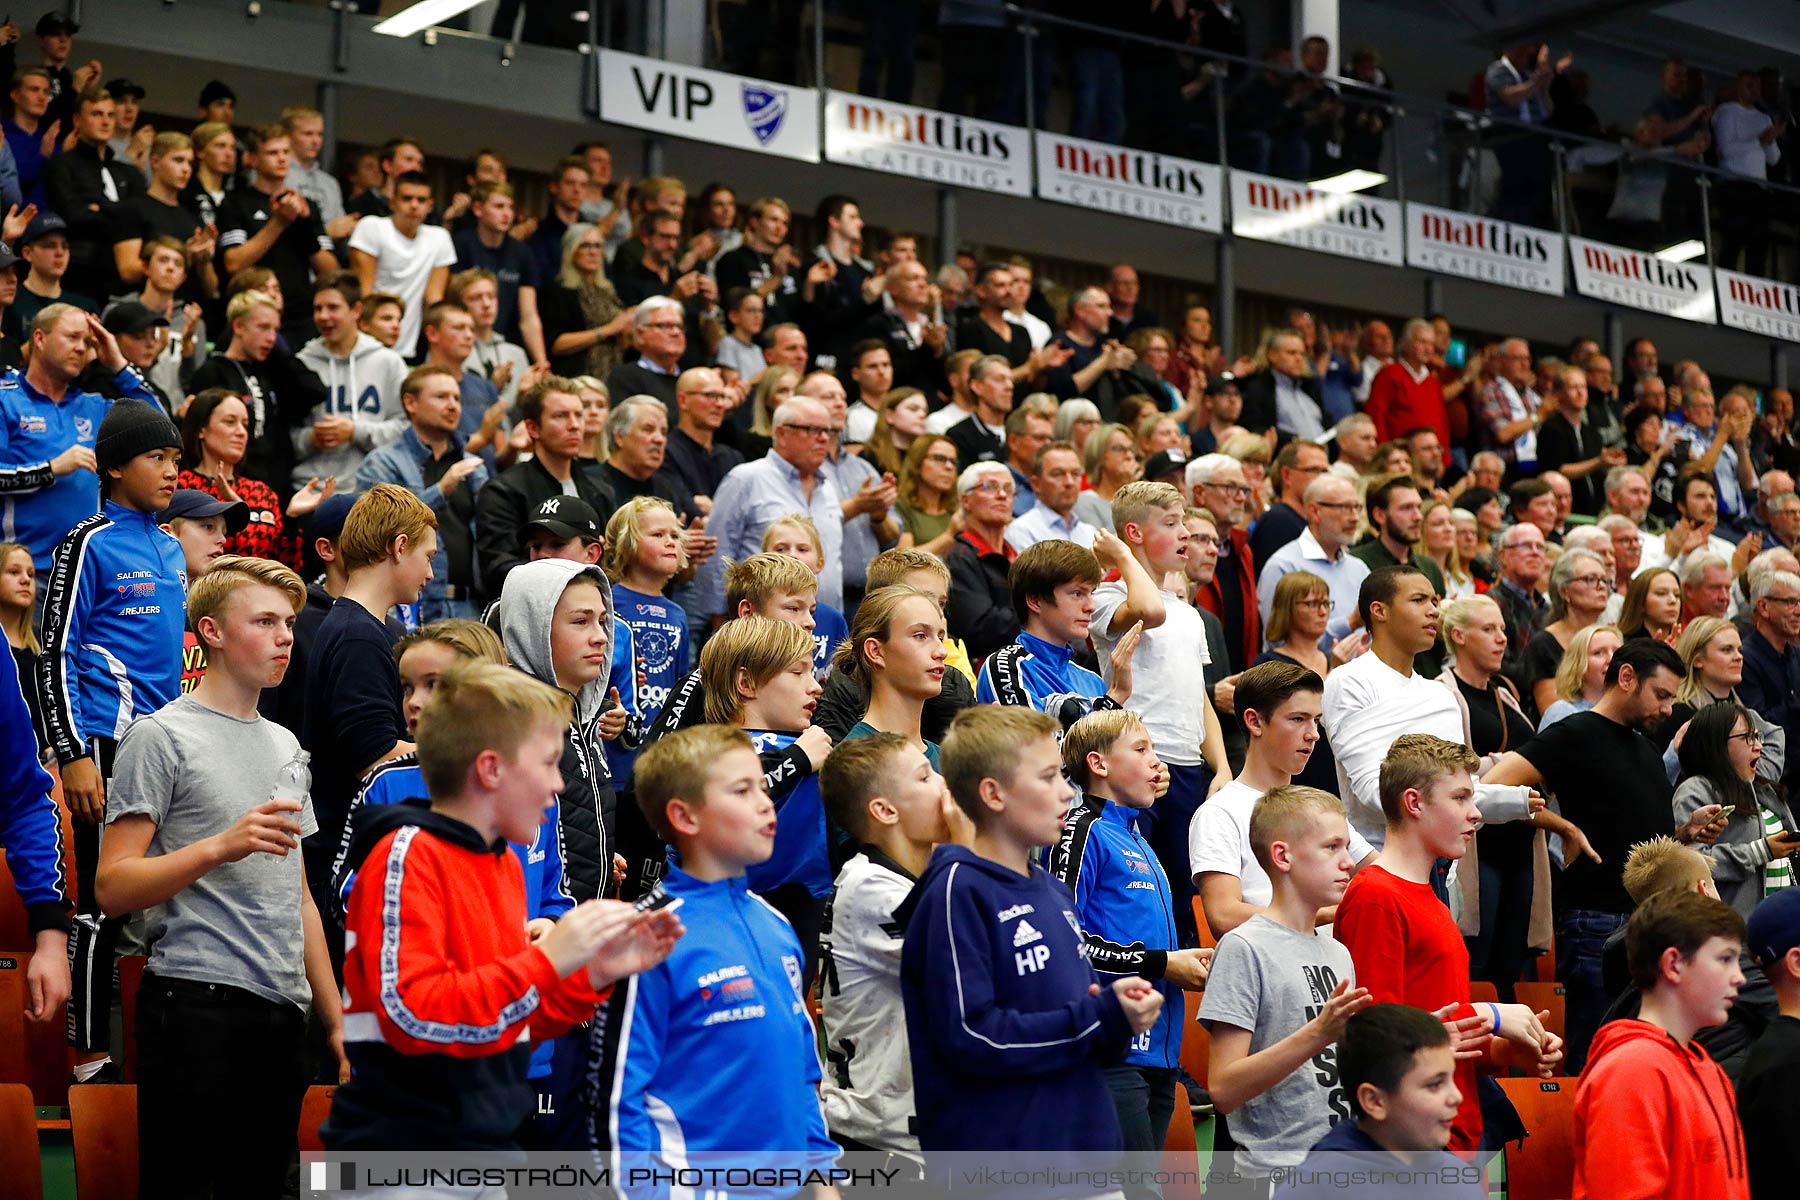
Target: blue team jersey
column 659, row 635
column 829, row 628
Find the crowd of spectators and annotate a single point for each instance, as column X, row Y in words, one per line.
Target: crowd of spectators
column 1511, row 621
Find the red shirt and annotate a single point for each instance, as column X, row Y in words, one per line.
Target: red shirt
column 1399, row 402
column 266, row 536
column 1408, row 950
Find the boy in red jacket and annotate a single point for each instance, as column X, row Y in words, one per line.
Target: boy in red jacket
column 1654, row 1114
column 440, row 981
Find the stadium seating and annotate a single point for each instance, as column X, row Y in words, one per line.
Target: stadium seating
column 1542, row 1165
column 21, row 1175
column 103, row 1123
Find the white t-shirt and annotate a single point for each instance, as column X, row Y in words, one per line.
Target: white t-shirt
column 1219, row 840
column 941, row 420
column 403, row 266
column 1167, row 689
column 859, row 424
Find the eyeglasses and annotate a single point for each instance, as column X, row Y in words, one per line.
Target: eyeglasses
column 590, row 245
column 1206, row 540
column 1319, row 602
column 1784, row 601
column 665, row 326
column 993, row 487
column 942, row 460
column 810, row 430
column 1751, row 737
column 1240, row 490
column 1601, row 579
column 1339, row 505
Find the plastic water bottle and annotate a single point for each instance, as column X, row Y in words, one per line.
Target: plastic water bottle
column 295, row 780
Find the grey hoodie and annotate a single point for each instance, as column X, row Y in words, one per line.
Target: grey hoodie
column 586, row 806
column 365, row 386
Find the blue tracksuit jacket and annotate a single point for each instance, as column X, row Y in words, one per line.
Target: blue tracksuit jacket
column 800, row 854
column 1126, row 909
column 36, row 507
column 1042, row 675
column 1008, row 1048
column 711, row 1051
column 114, row 619
column 30, row 826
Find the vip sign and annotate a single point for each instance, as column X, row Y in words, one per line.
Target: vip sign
column 1132, row 183
column 1639, row 280
column 929, row 146
column 1473, row 247
column 1280, row 210
column 1759, row 305
column 709, row 106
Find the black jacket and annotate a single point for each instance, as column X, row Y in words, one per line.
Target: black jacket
column 981, row 607
column 914, row 366
column 282, row 394
column 73, row 184
column 1258, row 390
column 506, row 504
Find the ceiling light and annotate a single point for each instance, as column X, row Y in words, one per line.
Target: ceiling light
column 1682, row 251
column 1344, row 183
column 423, row 15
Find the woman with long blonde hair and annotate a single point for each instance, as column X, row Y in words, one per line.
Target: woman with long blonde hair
column 1581, row 678
column 897, row 649
column 585, row 323
column 774, row 388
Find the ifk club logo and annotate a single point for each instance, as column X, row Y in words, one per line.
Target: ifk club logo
column 765, row 108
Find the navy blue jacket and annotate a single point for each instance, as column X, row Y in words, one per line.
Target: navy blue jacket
column 1771, row 686
column 30, row 825
column 114, row 617
column 1348, row 1164
column 1008, row 1048
column 1127, row 911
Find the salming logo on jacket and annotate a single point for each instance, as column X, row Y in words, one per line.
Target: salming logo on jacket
column 995, row 978
column 442, row 992
column 37, row 507
column 113, row 622
column 712, row 1050
column 1034, row 673
column 1127, row 913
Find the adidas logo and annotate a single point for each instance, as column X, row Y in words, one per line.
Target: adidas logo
column 1025, row 934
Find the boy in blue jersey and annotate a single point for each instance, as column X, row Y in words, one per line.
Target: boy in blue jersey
column 31, row 835
column 49, row 480
column 1126, row 908
column 757, row 674
column 711, row 1051
column 1053, row 586
column 1009, row 1028
column 115, row 617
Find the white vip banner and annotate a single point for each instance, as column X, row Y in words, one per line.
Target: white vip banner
column 1639, row 280
column 1759, row 305
column 1474, row 247
column 709, row 106
column 1131, row 183
column 1281, row 210
column 929, row 146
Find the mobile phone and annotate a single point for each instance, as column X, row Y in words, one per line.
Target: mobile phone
column 1724, row 813
column 1457, row 354
column 658, row 898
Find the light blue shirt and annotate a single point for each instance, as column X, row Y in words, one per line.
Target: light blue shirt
column 1041, row 523
column 403, row 463
column 847, row 473
column 753, row 497
column 1343, row 577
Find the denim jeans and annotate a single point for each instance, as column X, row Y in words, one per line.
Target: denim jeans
column 1145, row 1100
column 1580, row 937
column 1099, row 94
column 221, row 1076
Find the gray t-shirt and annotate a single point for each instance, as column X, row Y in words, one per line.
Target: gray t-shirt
column 1272, row 980
column 194, row 772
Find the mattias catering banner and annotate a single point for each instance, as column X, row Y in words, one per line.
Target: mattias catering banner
column 1638, row 280
column 1480, row 248
column 1130, row 183
column 709, row 106
column 1759, row 305
column 926, row 145
column 1280, row 210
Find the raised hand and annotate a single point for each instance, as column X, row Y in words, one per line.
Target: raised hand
column 1469, row 1036
column 612, row 721
column 267, row 828
column 1120, row 658
column 1343, row 1004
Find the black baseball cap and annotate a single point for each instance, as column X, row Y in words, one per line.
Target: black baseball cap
column 7, row 257
column 120, row 88
column 1218, row 383
column 42, row 226
column 328, row 519
column 192, row 502
column 566, row 517
column 1165, row 462
column 1774, row 926
column 53, row 23
column 130, row 317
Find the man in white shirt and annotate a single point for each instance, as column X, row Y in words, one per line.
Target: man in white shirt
column 1377, row 352
column 1377, row 697
column 1748, row 144
column 1056, row 480
column 1015, row 313
column 962, row 401
column 404, row 256
column 1332, row 514
column 872, row 371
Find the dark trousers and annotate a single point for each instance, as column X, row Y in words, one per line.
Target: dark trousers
column 1741, row 212
column 94, row 944
column 561, row 1120
column 1145, row 1100
column 221, row 1077
column 1497, row 954
column 1168, row 837
column 1580, row 937
column 806, row 913
column 891, row 40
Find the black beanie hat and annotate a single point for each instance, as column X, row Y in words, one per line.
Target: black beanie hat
column 131, row 428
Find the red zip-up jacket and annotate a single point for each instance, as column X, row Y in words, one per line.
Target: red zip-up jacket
column 442, row 991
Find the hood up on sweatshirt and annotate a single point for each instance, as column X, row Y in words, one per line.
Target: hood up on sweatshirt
column 528, row 601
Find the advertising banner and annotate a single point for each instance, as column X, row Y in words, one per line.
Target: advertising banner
column 1131, row 183
column 1480, row 248
column 709, row 106
column 1639, row 280
column 1759, row 305
column 1281, row 210
column 929, row 146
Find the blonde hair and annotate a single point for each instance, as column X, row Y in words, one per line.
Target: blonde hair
column 245, row 303
column 874, row 619
column 1279, row 815
column 229, row 574
column 381, row 514
column 1134, row 501
column 1571, row 672
column 755, row 647
column 1095, row 732
column 794, row 520
column 1690, row 646
column 26, row 630
column 762, row 577
column 1459, row 614
column 479, row 706
column 678, row 767
column 1416, row 761
column 1454, row 568
column 1292, row 588
column 1663, row 864
column 984, row 743
column 1246, row 447
column 623, row 537
column 762, row 410
column 470, row 639
column 893, row 566
column 205, row 134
